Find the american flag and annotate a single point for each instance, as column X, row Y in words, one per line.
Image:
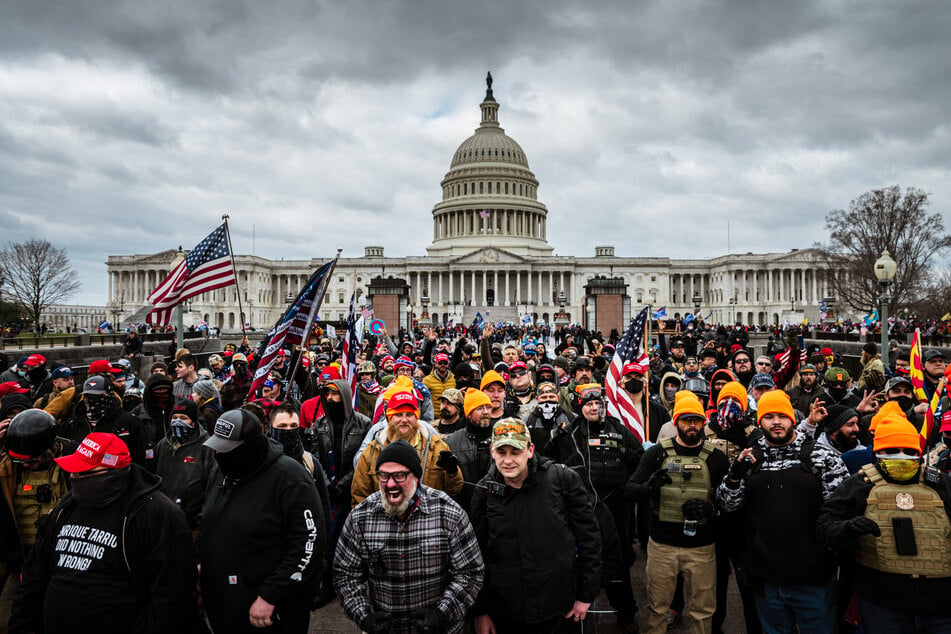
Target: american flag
column 351, row 344
column 366, row 312
column 206, row 267
column 629, row 349
column 484, row 213
column 291, row 328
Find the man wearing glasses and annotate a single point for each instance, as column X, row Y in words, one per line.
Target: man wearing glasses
column 407, row 560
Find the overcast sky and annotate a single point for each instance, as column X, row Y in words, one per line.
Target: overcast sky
column 130, row 127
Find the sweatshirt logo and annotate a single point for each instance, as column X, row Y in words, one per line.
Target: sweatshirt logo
column 308, row 546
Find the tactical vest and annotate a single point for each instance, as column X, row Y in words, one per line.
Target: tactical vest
column 932, row 530
column 27, row 507
column 690, row 479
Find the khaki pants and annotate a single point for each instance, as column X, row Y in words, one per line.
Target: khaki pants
column 699, row 568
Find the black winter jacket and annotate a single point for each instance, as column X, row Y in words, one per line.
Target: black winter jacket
column 541, row 544
column 154, row 418
column 355, row 427
column 116, row 421
column 604, row 459
column 185, row 472
column 158, row 552
column 474, row 459
column 261, row 536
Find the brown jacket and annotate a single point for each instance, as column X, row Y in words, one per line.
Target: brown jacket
column 365, row 481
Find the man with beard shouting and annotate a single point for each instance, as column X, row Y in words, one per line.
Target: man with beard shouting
column 782, row 481
column 408, row 559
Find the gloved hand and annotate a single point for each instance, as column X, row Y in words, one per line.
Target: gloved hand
column 791, row 337
column 334, row 491
column 428, row 621
column 863, row 526
column 740, row 469
column 697, row 510
column 447, row 462
column 376, row 623
column 647, row 444
column 657, row 481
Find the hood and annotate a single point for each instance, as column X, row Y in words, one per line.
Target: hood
column 722, row 373
column 11, row 401
column 142, row 482
column 154, row 382
column 660, row 391
column 344, row 387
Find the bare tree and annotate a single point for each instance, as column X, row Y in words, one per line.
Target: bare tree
column 38, row 275
column 877, row 220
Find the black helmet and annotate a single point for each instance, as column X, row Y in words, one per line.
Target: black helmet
column 30, row 434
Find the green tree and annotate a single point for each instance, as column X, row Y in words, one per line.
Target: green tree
column 877, row 220
column 37, row 274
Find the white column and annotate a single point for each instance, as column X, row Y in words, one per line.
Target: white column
column 551, row 290
column 782, row 286
column 495, row 286
column 485, row 279
column 452, row 296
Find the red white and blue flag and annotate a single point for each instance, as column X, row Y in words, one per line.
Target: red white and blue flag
column 629, row 349
column 206, row 268
column 484, row 213
column 294, row 325
column 351, row 345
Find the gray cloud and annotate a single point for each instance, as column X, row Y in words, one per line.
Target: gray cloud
column 130, row 127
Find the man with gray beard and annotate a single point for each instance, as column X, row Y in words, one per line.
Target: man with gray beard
column 407, row 559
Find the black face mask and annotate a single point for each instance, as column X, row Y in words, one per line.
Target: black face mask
column 98, row 490
column 906, row 403
column 36, row 375
column 838, row 393
column 242, row 460
column 334, row 409
column 634, row 386
column 290, row 440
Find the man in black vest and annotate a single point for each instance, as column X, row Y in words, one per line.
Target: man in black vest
column 782, row 481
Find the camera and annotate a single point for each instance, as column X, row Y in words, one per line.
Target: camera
column 44, row 494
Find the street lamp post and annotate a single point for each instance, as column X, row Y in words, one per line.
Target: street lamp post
column 885, row 269
column 696, row 302
column 179, row 314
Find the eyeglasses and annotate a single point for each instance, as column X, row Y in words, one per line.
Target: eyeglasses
column 398, row 477
column 515, row 375
column 764, row 363
column 739, row 361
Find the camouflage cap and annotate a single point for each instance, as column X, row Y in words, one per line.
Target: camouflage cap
column 512, row 432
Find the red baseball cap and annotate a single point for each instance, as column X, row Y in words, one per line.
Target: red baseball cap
column 34, row 360
column 827, row 352
column 442, row 356
column 11, row 387
column 637, row 368
column 96, row 450
column 402, row 401
column 946, row 421
column 518, row 365
column 101, row 366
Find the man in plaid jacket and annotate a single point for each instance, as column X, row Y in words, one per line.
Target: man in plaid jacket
column 407, row 559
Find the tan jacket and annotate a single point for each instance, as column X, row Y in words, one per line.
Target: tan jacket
column 365, row 481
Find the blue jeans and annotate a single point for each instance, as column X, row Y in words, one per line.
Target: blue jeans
column 809, row 609
column 881, row 620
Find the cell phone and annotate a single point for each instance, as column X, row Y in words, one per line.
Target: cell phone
column 905, row 544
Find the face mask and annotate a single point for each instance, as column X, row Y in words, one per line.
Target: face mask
column 838, row 393
column 900, row 469
column 97, row 407
column 634, row 386
column 905, row 402
column 547, row 410
column 729, row 414
column 334, row 409
column 36, row 375
column 242, row 460
column 181, row 431
column 161, row 398
column 670, row 392
column 290, row 440
column 101, row 489
column 21, row 373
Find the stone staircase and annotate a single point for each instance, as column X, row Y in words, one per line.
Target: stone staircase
column 492, row 314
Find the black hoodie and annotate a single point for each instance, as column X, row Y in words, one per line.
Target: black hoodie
column 129, row 566
column 261, row 536
column 153, row 417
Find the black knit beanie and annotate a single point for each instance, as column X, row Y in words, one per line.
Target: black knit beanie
column 836, row 416
column 401, row 452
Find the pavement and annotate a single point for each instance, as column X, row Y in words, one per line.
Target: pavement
column 331, row 620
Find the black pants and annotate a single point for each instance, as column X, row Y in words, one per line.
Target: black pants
column 616, row 559
column 557, row 625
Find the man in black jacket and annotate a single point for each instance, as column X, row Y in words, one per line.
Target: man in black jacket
column 262, row 532
column 115, row 551
column 541, row 512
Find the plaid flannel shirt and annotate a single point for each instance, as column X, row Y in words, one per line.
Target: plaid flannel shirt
column 431, row 559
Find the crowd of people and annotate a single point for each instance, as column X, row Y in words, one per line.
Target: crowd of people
column 477, row 482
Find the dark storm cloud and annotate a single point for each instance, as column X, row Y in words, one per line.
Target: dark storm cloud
column 657, row 122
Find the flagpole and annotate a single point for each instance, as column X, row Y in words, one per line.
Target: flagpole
column 235, row 271
column 647, row 405
column 309, row 325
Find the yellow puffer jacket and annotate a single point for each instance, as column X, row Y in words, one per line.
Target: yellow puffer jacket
column 437, row 386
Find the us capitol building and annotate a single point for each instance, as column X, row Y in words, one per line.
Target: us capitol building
column 489, row 255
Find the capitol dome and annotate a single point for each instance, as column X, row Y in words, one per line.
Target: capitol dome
column 489, row 195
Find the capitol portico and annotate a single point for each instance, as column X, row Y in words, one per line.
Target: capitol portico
column 490, row 254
